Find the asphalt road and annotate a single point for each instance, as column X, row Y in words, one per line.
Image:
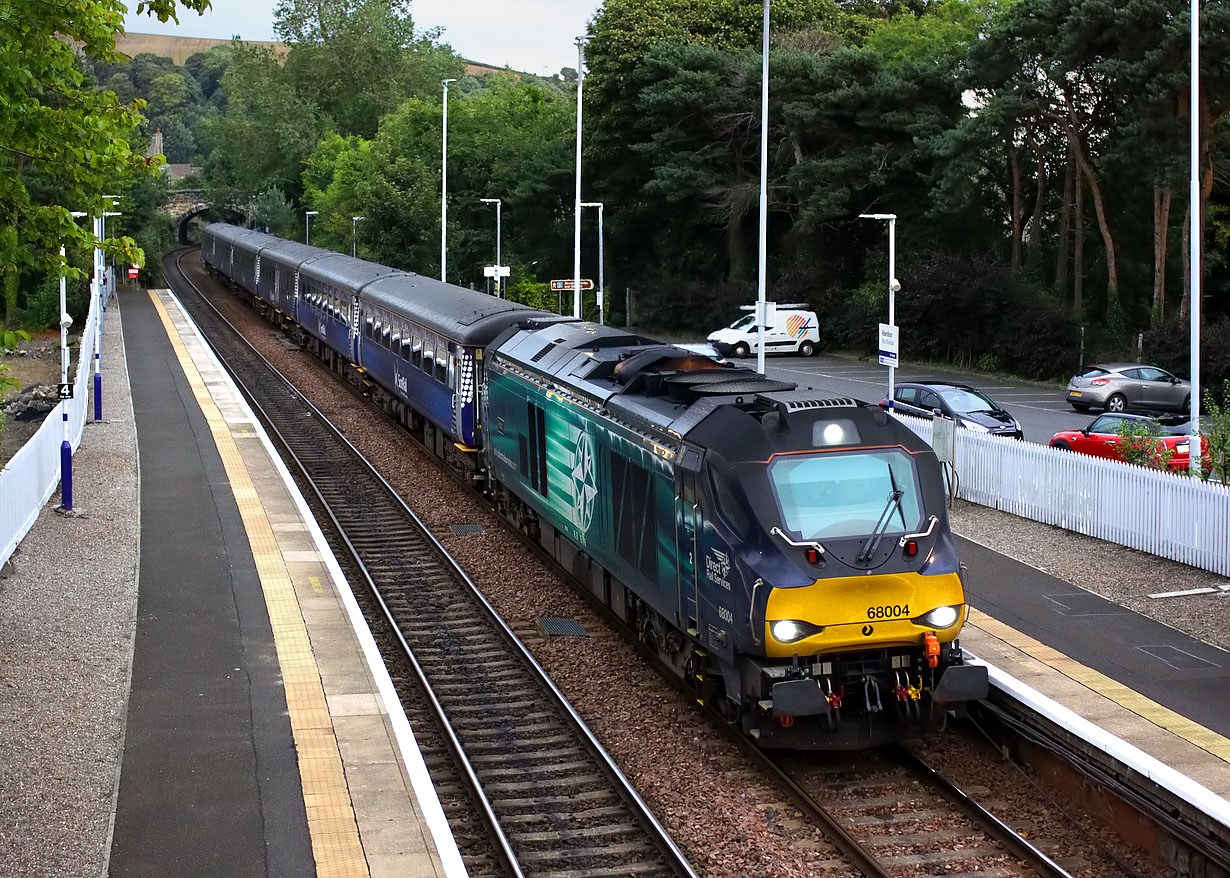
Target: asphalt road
column 1040, row 408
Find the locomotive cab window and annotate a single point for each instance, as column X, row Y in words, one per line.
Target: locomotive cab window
column 844, row 494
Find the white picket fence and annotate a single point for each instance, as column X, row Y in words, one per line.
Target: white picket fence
column 1172, row 516
column 30, row 477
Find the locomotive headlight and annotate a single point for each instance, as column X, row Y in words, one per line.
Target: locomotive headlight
column 940, row 617
column 789, row 630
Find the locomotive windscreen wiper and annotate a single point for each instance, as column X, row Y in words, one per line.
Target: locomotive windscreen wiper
column 893, row 504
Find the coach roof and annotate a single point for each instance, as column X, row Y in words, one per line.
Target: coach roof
column 464, row 315
column 345, row 272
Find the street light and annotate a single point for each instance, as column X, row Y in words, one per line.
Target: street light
column 66, row 446
column 354, row 235
column 601, row 276
column 893, row 286
column 307, row 235
column 576, row 239
column 1195, row 445
column 100, row 268
column 762, row 315
column 498, row 263
column 444, row 186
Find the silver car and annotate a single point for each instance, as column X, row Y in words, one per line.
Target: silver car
column 1118, row 387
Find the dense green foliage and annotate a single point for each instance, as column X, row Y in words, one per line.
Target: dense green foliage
column 1034, row 152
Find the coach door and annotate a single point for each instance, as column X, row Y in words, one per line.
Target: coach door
column 687, row 538
column 354, row 329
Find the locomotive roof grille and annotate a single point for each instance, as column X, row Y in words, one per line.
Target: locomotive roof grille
column 794, row 405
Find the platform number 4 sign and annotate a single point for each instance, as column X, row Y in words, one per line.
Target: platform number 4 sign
column 64, row 391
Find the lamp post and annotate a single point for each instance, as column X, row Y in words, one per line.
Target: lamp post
column 110, row 288
column 763, row 245
column 576, row 238
column 100, row 293
column 893, row 283
column 1195, row 447
column 307, row 234
column 601, row 276
column 498, row 263
column 66, row 446
column 444, row 187
column 354, row 235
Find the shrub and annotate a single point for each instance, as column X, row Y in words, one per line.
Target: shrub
column 1140, row 442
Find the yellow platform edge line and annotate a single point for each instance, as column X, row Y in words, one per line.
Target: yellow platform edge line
column 1162, row 717
column 336, row 846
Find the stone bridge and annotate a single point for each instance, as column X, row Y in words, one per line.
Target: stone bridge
column 185, row 205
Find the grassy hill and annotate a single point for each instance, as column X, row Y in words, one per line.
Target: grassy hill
column 178, row 49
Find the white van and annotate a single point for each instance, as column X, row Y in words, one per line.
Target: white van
column 788, row 330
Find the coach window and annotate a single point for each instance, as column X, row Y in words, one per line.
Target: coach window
column 452, row 372
column 367, row 328
column 441, row 367
column 396, row 347
column 405, row 349
column 416, row 358
column 429, row 365
column 388, row 331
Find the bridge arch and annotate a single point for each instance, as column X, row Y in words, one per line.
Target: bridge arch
column 222, row 213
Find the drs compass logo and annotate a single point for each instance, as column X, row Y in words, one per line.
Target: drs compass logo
column 584, row 482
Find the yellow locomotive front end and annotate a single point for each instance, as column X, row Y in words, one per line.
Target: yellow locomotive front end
column 855, row 595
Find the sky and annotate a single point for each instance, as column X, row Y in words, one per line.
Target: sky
column 533, row 36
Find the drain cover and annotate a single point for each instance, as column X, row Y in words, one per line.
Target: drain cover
column 558, row 626
column 466, row 530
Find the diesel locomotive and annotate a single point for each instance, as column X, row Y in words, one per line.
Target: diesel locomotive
column 788, row 555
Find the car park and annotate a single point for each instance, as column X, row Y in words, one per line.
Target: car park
column 969, row 407
column 791, row 330
column 1101, row 437
column 1121, row 387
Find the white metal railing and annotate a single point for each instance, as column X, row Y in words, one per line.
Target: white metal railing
column 1171, row 516
column 30, row 477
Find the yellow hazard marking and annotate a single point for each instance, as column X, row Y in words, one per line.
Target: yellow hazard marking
column 316, row 586
column 330, row 813
column 1124, row 696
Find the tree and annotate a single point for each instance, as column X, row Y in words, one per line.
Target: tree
column 64, row 144
column 360, row 59
column 267, row 132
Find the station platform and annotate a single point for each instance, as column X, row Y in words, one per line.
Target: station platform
column 263, row 735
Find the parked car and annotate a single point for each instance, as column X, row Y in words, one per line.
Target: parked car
column 1101, row 437
column 795, row 330
column 970, row 408
column 1121, row 387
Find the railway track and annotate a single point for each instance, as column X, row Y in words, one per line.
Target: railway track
column 885, row 815
column 553, row 800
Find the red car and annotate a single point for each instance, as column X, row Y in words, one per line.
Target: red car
column 1101, row 438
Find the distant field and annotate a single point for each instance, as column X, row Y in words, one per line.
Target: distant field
column 179, row 49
